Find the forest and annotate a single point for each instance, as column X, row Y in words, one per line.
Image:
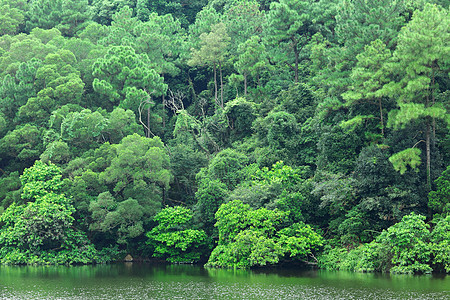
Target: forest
column 232, row 133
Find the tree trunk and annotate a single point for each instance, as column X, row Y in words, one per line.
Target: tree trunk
column 148, row 121
column 381, row 117
column 428, row 133
column 215, row 84
column 297, row 54
column 164, row 111
column 221, row 85
column 245, row 84
column 433, row 101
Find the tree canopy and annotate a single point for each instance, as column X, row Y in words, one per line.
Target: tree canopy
column 233, row 133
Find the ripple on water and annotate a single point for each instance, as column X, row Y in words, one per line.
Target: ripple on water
column 184, row 284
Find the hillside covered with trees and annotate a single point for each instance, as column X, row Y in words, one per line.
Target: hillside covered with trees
column 236, row 133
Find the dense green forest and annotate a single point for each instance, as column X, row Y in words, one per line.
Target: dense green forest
column 236, row 133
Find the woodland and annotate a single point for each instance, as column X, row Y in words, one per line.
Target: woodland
column 232, row 133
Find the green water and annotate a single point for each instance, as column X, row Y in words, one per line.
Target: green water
column 143, row 281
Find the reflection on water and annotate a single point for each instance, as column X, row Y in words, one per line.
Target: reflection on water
column 145, row 281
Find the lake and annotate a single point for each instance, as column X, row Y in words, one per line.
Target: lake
column 146, row 281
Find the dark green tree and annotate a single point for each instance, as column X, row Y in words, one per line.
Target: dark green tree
column 439, row 199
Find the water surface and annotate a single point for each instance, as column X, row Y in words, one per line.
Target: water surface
column 145, row 281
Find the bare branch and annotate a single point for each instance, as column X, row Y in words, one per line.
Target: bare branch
column 175, row 101
column 202, row 103
column 148, row 101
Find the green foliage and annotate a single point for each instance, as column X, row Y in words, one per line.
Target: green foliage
column 227, row 167
column 250, row 238
column 415, row 86
column 104, row 10
column 299, row 240
column 382, row 195
column 11, row 19
column 403, row 248
column 281, row 187
column 279, row 134
column 124, row 219
column 439, row 200
column 410, row 112
column 338, row 149
column 168, row 42
column 10, row 189
column 290, row 115
column 240, row 114
column 122, row 69
column 67, row 16
column 409, row 157
column 288, row 30
column 185, row 12
column 212, row 46
column 358, row 23
column 18, row 50
column 185, row 163
column 121, row 123
column 140, row 161
column 368, row 78
column 409, row 241
column 210, row 195
column 82, row 129
column 212, row 51
column 252, row 60
column 40, row 231
column 40, row 180
column 23, row 144
column 336, row 192
column 56, row 152
column 174, row 238
column 427, row 33
column 440, row 244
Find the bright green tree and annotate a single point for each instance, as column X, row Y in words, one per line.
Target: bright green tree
column 252, row 60
column 174, row 238
column 121, row 70
column 67, row 16
column 440, row 243
column 408, row 241
column 41, row 231
column 288, row 24
column 11, row 18
column 15, row 90
column 368, row 77
column 82, row 129
column 416, row 88
column 139, row 170
column 252, row 238
column 212, row 51
column 358, row 23
column 24, row 49
column 164, row 41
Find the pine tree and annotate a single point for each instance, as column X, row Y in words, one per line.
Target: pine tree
column 368, row 78
column 422, row 54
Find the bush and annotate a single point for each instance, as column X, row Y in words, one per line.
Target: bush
column 403, row 248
